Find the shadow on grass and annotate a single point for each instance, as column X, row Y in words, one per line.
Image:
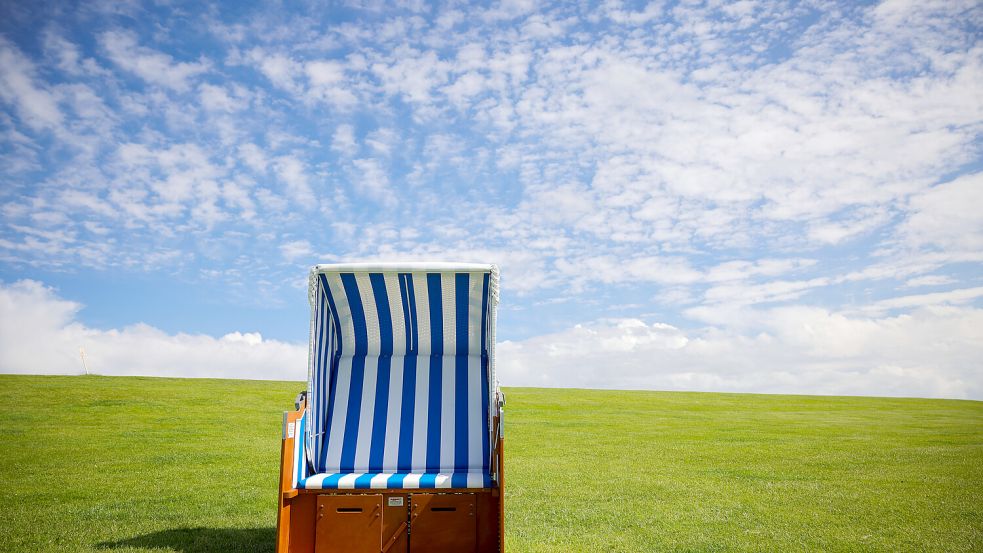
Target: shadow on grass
column 202, row 540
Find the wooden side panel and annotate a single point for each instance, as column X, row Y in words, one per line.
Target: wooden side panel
column 349, row 524
column 294, row 518
column 301, row 509
column 498, row 457
column 487, row 522
column 443, row 523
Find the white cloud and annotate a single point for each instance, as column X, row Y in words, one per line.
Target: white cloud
column 371, row 180
column 149, row 64
column 327, row 82
column 293, row 173
column 948, row 216
column 254, row 157
column 929, row 280
column 296, row 249
column 40, row 334
column 219, row 98
column 955, row 297
column 931, row 352
column 412, row 74
column 37, row 107
column 280, row 69
column 343, row 141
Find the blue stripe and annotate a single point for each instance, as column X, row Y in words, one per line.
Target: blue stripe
column 459, row 480
column 405, row 456
column 298, row 436
column 428, row 480
column 409, row 304
column 331, row 481
column 436, row 368
column 377, row 448
column 326, row 387
column 358, row 373
column 364, row 482
column 396, row 480
column 461, row 281
column 485, row 393
column 324, row 362
column 332, row 371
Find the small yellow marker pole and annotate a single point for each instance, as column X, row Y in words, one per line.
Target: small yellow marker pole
column 82, row 355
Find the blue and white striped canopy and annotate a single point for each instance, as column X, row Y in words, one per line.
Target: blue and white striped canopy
column 400, row 376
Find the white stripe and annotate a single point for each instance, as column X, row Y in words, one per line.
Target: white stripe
column 313, row 395
column 449, row 310
column 347, row 482
column 422, row 313
column 380, row 480
column 443, row 481
column 390, row 456
column 448, row 413
column 317, row 323
column 344, row 314
column 366, row 414
column 314, row 388
column 476, row 480
column 339, row 416
column 371, row 315
column 412, row 481
column 475, row 415
column 315, row 482
column 474, row 313
column 402, row 267
column 396, row 312
column 422, row 397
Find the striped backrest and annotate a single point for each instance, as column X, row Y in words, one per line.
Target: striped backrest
column 400, row 376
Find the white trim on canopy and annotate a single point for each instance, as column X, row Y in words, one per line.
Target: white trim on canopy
column 405, row 267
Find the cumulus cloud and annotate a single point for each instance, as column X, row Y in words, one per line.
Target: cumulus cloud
column 934, row 351
column 40, row 334
column 947, row 216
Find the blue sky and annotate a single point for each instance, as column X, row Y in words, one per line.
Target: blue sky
column 747, row 196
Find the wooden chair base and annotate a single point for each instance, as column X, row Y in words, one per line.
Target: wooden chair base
column 391, row 521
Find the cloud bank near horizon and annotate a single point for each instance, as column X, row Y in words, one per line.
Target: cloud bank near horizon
column 40, row 334
column 931, row 351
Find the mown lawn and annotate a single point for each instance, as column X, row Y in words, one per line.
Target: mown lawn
column 148, row 464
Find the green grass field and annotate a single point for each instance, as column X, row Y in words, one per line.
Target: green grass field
column 147, row 464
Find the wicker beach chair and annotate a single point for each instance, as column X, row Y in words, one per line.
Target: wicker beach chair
column 396, row 446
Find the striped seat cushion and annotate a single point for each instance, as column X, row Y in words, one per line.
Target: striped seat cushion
column 400, row 480
column 399, row 390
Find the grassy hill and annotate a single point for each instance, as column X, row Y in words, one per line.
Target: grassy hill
column 148, row 464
